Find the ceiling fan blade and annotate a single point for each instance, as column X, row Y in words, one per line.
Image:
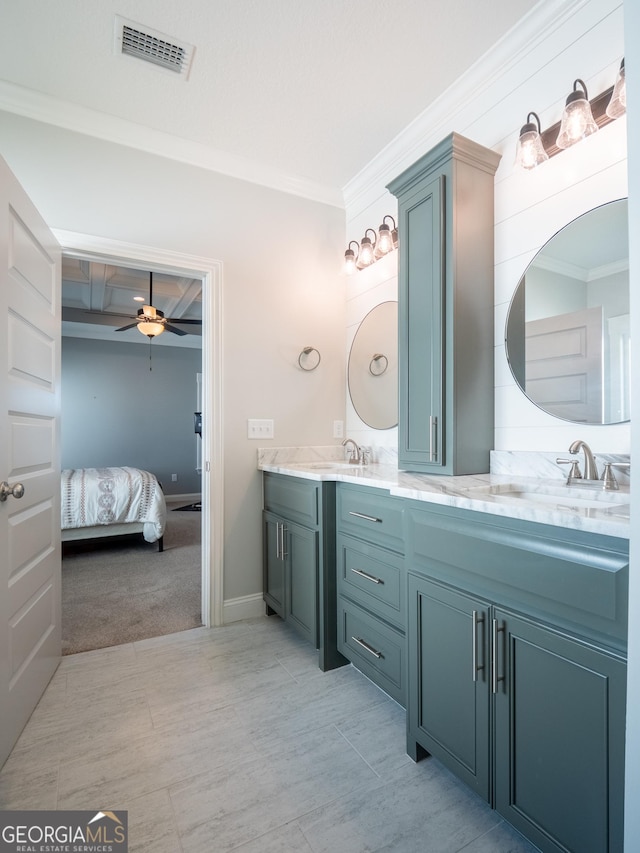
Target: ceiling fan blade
column 169, row 328
column 185, row 322
column 124, row 328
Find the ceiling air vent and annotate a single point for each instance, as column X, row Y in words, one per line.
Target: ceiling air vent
column 144, row 43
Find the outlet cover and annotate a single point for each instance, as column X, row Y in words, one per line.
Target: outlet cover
column 338, row 429
column 259, row 428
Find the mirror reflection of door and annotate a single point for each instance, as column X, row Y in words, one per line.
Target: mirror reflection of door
column 567, row 335
column 564, row 364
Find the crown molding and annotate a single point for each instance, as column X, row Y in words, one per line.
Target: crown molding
column 38, row 106
column 436, row 121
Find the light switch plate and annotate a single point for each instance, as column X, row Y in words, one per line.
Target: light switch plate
column 259, row 428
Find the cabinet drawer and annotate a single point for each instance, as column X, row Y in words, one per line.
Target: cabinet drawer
column 370, row 514
column 293, row 497
column 372, row 577
column 373, row 647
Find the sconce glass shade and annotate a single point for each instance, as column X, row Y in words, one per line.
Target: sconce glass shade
column 530, row 150
column 577, row 119
column 617, row 106
column 387, row 239
column 367, row 254
column 151, row 328
column 350, row 258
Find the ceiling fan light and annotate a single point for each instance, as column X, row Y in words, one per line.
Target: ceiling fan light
column 150, row 328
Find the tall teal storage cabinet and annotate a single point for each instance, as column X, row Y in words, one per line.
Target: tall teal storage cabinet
column 445, row 308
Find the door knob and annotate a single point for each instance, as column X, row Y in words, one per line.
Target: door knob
column 16, row 491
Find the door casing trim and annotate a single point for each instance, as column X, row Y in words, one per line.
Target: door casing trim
column 89, row 247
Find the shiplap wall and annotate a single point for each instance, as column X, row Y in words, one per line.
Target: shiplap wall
column 533, row 68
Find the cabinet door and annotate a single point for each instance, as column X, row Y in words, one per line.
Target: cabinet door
column 449, row 694
column 301, row 558
column 273, row 562
column 559, row 726
column 421, row 324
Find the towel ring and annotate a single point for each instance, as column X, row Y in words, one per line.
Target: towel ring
column 378, row 364
column 313, row 362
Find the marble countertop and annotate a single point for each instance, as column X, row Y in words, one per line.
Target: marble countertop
column 527, row 498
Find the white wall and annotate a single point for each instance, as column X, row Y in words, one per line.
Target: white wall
column 282, row 289
column 533, row 69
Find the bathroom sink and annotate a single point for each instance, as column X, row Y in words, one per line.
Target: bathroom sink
column 562, row 497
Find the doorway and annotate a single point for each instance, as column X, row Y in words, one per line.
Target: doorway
column 209, row 270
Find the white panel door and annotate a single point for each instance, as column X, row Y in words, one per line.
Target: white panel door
column 565, row 365
column 30, row 562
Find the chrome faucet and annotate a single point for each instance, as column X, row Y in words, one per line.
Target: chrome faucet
column 590, row 467
column 355, row 454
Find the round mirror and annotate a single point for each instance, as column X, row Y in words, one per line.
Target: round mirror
column 567, row 335
column 373, row 367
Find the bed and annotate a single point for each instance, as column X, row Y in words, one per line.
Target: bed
column 100, row 502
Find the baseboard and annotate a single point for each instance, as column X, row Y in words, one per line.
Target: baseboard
column 245, row 607
column 186, row 499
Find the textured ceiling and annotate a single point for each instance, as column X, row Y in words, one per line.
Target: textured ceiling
column 311, row 90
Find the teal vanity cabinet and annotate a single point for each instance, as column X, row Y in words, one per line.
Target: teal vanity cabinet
column 372, row 585
column 299, row 559
column 517, row 669
column 445, row 309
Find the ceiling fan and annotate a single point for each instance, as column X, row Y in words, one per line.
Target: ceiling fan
column 151, row 321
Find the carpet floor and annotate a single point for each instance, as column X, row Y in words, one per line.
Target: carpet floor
column 124, row 590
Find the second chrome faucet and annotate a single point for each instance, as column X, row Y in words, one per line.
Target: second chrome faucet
column 591, row 476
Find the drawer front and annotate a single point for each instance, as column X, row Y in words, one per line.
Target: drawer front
column 370, row 514
column 293, row 497
column 372, row 577
column 373, row 647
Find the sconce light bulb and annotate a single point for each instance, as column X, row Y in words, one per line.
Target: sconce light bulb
column 530, row 150
column 577, row 119
column 366, row 256
column 384, row 243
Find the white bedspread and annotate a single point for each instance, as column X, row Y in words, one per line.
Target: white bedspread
column 103, row 496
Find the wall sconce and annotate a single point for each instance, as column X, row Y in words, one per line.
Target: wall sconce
column 577, row 119
column 370, row 250
column 581, row 118
column 350, row 257
column 387, row 238
column 618, row 104
column 530, row 152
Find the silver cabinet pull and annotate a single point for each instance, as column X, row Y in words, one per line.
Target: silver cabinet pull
column 15, row 491
column 475, row 621
column 366, row 576
column 495, row 678
column 433, row 438
column 281, row 554
column 366, row 517
column 367, row 647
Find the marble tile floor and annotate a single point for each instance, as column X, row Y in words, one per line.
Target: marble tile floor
column 233, row 739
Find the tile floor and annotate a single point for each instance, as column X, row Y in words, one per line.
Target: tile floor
column 232, row 739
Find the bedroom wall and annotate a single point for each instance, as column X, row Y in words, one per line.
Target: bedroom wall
column 282, row 290
column 115, row 411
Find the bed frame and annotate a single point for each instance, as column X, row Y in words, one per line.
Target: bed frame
column 101, row 531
